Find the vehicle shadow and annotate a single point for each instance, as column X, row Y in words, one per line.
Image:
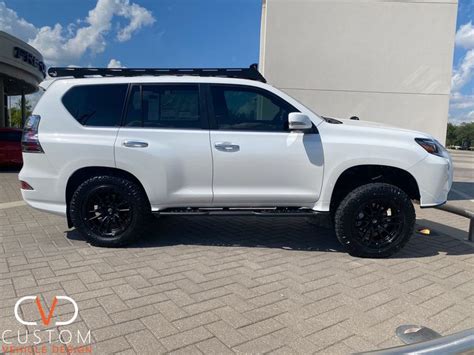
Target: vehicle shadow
column 260, row 232
column 271, row 232
column 267, row 232
column 439, row 228
column 461, row 190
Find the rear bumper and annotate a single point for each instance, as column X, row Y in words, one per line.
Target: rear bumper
column 48, row 192
column 434, row 176
column 32, row 200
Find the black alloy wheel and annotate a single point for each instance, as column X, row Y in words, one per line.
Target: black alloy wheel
column 110, row 211
column 375, row 220
column 106, row 211
column 377, row 223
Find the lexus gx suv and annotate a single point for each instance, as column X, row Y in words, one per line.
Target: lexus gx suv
column 107, row 148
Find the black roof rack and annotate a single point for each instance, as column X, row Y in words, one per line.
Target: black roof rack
column 251, row 72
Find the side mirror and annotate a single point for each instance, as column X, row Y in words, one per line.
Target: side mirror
column 299, row 122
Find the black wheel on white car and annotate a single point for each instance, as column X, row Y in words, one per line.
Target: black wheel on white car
column 109, row 211
column 375, row 220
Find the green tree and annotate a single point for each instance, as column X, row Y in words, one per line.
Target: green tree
column 460, row 135
column 451, row 135
column 465, row 133
column 15, row 113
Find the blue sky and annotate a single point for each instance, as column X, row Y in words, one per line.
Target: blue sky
column 180, row 33
column 462, row 93
column 465, row 15
column 185, row 32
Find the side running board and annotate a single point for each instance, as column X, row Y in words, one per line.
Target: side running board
column 261, row 212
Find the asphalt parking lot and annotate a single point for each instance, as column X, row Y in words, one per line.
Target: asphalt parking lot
column 247, row 285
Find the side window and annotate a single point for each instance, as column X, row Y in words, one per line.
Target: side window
column 164, row 106
column 134, row 108
column 96, row 105
column 249, row 109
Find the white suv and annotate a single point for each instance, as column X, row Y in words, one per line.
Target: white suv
column 108, row 151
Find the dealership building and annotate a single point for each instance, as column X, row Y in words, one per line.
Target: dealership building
column 21, row 71
column 388, row 61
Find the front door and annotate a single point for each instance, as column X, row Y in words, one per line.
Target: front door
column 257, row 160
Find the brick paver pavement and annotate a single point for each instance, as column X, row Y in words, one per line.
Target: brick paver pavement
column 9, row 188
column 222, row 285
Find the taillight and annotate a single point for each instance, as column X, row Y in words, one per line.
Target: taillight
column 29, row 141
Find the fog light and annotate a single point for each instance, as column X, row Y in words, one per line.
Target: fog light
column 25, row 186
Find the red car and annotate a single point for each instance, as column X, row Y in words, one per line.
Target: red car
column 10, row 146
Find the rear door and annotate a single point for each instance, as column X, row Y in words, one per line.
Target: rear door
column 164, row 142
column 257, row 160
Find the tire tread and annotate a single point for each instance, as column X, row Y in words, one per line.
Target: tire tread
column 142, row 210
column 354, row 199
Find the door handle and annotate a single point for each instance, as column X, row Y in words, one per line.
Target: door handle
column 227, row 147
column 135, row 144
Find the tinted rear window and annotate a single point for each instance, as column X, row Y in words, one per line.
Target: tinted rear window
column 96, row 105
column 14, row 136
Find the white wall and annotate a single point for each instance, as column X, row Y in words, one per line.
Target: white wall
column 382, row 60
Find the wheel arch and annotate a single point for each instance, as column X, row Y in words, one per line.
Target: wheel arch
column 359, row 175
column 82, row 174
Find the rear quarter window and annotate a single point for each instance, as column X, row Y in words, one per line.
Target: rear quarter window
column 96, row 105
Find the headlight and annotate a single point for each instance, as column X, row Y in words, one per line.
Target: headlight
column 432, row 146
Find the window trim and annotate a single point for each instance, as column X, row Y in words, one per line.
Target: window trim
column 203, row 112
column 212, row 117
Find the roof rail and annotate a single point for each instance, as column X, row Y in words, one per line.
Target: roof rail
column 251, row 72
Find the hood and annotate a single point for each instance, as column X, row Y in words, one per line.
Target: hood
column 378, row 125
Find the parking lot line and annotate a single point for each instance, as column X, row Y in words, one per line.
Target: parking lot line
column 6, row 205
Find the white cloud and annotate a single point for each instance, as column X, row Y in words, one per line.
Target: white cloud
column 465, row 36
column 138, row 17
column 461, row 108
column 468, row 118
column 61, row 46
column 114, row 63
column 17, row 26
column 461, row 102
column 465, row 104
column 463, row 74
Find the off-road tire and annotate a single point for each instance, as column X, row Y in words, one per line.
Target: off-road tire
column 129, row 191
column 349, row 210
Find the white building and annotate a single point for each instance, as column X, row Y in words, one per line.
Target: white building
column 381, row 60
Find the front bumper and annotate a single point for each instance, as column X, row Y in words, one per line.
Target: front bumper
column 434, row 176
